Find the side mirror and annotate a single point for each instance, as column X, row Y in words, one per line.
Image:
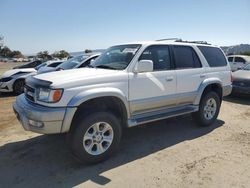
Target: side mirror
column 144, row 66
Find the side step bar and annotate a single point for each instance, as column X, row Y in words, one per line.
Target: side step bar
column 159, row 115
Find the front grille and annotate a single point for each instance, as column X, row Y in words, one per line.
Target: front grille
column 29, row 93
column 241, row 83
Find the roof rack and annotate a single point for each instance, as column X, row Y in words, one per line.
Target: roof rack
column 185, row 41
column 169, row 39
column 196, row 42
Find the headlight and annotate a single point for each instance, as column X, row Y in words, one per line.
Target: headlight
column 49, row 95
column 6, row 79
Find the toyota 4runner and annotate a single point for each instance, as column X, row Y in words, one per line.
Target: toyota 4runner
column 128, row 85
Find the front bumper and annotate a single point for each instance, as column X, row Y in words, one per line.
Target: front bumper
column 53, row 120
column 6, row 86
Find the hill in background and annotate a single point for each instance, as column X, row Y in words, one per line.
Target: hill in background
column 237, row 49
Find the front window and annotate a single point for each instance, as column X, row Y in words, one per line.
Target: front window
column 72, row 62
column 116, row 57
column 230, row 59
column 159, row 55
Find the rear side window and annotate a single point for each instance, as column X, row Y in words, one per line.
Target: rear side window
column 214, row 56
column 239, row 59
column 186, row 57
column 54, row 64
column 230, row 59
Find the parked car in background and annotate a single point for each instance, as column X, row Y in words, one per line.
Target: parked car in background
column 48, row 65
column 32, row 64
column 6, row 60
column 14, row 80
column 74, row 62
column 238, row 61
column 241, row 81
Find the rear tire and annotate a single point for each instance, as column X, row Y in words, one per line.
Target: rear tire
column 209, row 108
column 18, row 87
column 94, row 138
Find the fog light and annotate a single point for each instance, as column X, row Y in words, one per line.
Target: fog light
column 36, row 123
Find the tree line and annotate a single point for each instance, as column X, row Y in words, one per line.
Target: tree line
column 8, row 53
column 58, row 54
column 245, row 53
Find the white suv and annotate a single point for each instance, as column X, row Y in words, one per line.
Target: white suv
column 128, row 85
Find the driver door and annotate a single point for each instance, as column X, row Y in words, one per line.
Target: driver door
column 150, row 91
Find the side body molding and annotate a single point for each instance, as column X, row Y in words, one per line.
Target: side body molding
column 99, row 92
column 203, row 85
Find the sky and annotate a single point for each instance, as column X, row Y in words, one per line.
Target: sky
column 75, row 25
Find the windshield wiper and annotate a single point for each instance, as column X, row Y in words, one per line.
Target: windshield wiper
column 105, row 67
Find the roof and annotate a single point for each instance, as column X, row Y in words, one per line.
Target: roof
column 169, row 42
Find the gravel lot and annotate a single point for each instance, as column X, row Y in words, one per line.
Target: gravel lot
column 169, row 153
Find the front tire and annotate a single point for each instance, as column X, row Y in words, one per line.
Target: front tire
column 95, row 138
column 208, row 109
column 18, row 87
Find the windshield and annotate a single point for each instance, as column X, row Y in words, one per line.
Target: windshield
column 247, row 67
column 41, row 65
column 116, row 57
column 27, row 65
column 71, row 63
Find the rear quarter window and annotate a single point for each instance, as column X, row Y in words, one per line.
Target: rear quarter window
column 239, row 59
column 54, row 64
column 214, row 56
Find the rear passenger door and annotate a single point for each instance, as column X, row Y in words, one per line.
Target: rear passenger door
column 189, row 72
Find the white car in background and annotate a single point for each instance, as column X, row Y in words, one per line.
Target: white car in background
column 14, row 80
column 79, row 61
column 238, row 61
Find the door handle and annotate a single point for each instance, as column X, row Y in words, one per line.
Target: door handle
column 202, row 76
column 169, row 79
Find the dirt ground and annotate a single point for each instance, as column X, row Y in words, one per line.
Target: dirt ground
column 168, row 153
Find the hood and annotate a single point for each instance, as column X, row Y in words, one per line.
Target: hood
column 15, row 71
column 241, row 74
column 77, row 76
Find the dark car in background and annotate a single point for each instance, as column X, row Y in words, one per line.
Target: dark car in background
column 241, row 81
column 32, row 64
